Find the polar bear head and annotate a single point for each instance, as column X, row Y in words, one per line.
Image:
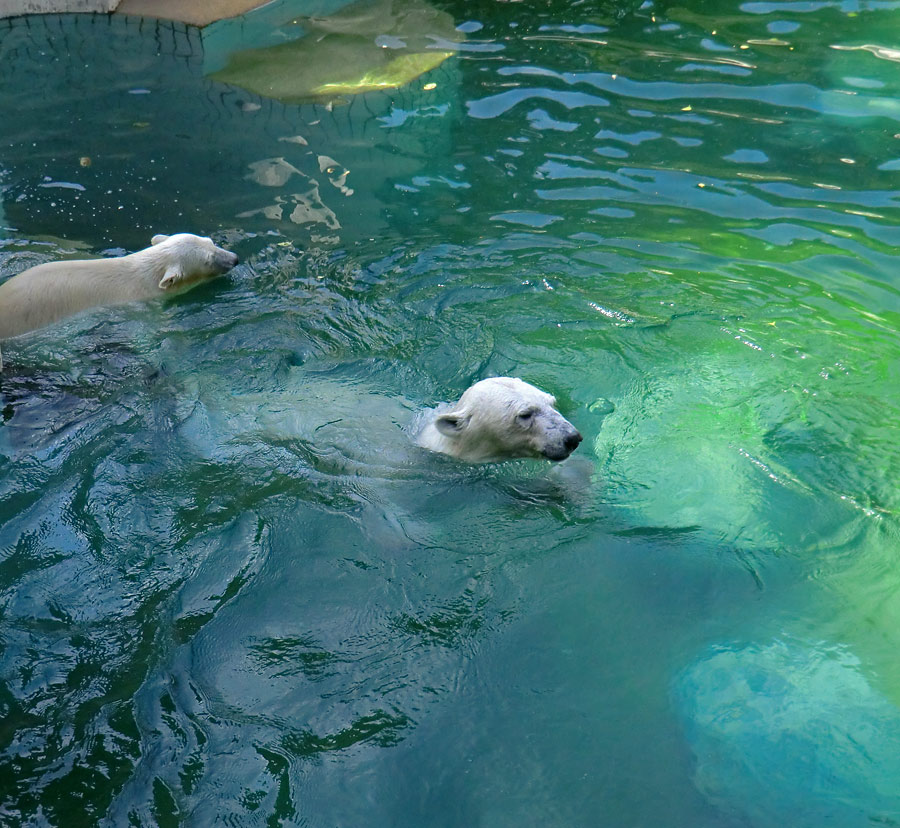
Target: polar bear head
column 501, row 418
column 188, row 259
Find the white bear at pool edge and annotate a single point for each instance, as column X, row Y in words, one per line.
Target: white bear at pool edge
column 49, row 292
column 500, row 418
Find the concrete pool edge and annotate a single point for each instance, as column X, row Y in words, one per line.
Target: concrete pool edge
column 195, row 14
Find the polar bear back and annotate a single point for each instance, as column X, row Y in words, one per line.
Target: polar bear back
column 49, row 292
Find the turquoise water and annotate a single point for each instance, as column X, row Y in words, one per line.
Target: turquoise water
column 231, row 591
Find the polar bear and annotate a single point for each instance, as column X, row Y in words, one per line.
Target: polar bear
column 333, row 422
column 49, row 292
column 500, row 418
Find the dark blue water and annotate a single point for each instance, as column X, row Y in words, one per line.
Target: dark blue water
column 230, row 590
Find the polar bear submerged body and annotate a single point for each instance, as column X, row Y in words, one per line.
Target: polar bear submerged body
column 500, row 418
column 49, row 292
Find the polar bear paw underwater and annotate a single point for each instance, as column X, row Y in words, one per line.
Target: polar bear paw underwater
column 500, row 418
column 49, row 292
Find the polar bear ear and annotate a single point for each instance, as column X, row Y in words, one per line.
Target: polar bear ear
column 158, row 238
column 451, row 424
column 171, row 277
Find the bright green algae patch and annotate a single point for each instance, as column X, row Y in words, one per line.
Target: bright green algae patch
column 396, row 72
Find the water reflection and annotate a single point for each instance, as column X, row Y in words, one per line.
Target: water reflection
column 177, row 137
column 359, row 48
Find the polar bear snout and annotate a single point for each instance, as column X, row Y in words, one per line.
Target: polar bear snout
column 560, row 449
column 225, row 260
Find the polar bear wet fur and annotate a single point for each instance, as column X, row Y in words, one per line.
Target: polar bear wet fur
column 499, row 419
column 49, row 292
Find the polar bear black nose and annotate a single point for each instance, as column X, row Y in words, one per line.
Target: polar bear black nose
column 572, row 440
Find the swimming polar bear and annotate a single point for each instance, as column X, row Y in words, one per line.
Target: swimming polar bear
column 49, row 292
column 334, row 426
column 500, row 418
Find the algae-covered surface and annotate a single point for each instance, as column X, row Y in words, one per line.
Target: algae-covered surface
column 230, row 588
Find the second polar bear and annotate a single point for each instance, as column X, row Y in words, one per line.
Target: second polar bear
column 49, row 292
column 338, row 427
column 498, row 419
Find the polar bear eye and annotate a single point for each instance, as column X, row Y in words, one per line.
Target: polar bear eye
column 525, row 416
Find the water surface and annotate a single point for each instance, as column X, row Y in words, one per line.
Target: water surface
column 233, row 593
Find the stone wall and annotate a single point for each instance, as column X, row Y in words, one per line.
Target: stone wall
column 13, row 8
column 195, row 12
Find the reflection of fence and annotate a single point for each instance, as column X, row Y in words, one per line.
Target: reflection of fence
column 112, row 133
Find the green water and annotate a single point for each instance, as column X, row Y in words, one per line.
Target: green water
column 232, row 593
